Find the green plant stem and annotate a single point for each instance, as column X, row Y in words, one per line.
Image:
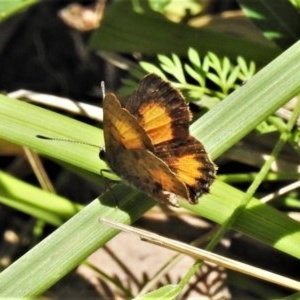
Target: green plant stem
column 249, row 177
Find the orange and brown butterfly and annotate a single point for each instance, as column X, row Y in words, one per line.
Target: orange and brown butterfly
column 148, row 144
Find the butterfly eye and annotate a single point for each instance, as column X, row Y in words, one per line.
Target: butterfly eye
column 102, row 154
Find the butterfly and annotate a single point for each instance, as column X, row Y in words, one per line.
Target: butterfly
column 148, row 144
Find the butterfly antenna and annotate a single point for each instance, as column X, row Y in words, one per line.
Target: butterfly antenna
column 103, row 89
column 43, row 137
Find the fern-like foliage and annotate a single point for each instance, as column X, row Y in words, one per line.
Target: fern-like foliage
column 203, row 80
column 207, row 80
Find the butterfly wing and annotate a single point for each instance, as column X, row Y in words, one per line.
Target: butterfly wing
column 162, row 112
column 129, row 153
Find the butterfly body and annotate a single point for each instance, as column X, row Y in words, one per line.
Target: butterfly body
column 147, row 143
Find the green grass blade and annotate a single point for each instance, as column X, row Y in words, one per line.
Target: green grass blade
column 22, row 122
column 249, row 105
column 36, row 202
column 68, row 246
column 10, row 8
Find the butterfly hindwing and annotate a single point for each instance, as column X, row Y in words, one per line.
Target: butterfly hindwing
column 149, row 174
column 190, row 163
